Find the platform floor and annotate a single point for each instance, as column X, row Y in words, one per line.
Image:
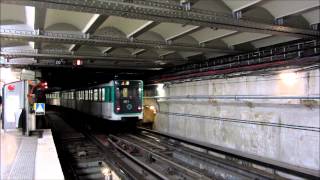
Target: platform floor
column 33, row 157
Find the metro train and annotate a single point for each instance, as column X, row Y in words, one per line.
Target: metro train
column 118, row 100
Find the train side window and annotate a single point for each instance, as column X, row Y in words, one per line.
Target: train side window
column 86, row 95
column 95, row 95
column 99, row 94
column 107, row 94
column 102, row 94
column 92, row 95
column 110, row 94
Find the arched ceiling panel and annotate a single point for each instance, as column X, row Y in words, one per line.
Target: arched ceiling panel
column 208, row 34
column 149, row 35
column 149, row 54
column 163, row 52
column 272, row 40
column 313, row 16
column 110, row 31
column 14, row 13
column 64, row 27
column 297, row 21
column 90, row 49
column 77, row 19
column 121, row 52
column 170, row 30
column 243, row 38
column 126, row 25
column 281, row 8
column 236, row 5
column 186, row 40
column 212, row 5
column 258, row 14
column 186, row 54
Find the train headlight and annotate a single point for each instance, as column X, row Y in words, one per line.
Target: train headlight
column 118, row 109
column 139, row 108
column 153, row 109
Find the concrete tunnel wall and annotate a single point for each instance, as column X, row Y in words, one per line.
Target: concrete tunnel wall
column 295, row 146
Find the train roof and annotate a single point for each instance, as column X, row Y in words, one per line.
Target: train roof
column 96, row 86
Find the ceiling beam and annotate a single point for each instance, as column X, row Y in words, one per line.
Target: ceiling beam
column 166, row 53
column 52, row 37
column 100, row 66
column 11, row 54
column 39, row 22
column 138, row 52
column 156, row 12
column 144, row 28
column 94, row 23
column 108, row 50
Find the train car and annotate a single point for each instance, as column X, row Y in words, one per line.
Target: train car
column 117, row 100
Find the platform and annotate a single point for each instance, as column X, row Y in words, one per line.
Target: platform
column 33, row 157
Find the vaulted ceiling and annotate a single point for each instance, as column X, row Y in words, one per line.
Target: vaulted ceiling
column 150, row 34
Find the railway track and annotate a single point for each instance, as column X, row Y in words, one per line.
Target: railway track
column 183, row 162
column 85, row 155
column 145, row 154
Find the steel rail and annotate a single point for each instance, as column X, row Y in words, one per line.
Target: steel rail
column 163, row 13
column 128, row 170
column 186, row 170
column 140, row 163
column 280, row 166
column 203, row 157
column 104, row 41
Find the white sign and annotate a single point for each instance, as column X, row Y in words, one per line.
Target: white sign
column 40, row 108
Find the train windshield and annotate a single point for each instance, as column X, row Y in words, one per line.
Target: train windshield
column 128, row 95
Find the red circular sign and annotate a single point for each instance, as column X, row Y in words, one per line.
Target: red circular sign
column 11, row 87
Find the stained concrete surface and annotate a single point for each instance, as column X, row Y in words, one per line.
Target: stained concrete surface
column 298, row 144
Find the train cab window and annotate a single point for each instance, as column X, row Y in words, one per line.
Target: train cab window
column 95, row 95
column 124, row 92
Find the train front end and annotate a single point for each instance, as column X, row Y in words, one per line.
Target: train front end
column 128, row 100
